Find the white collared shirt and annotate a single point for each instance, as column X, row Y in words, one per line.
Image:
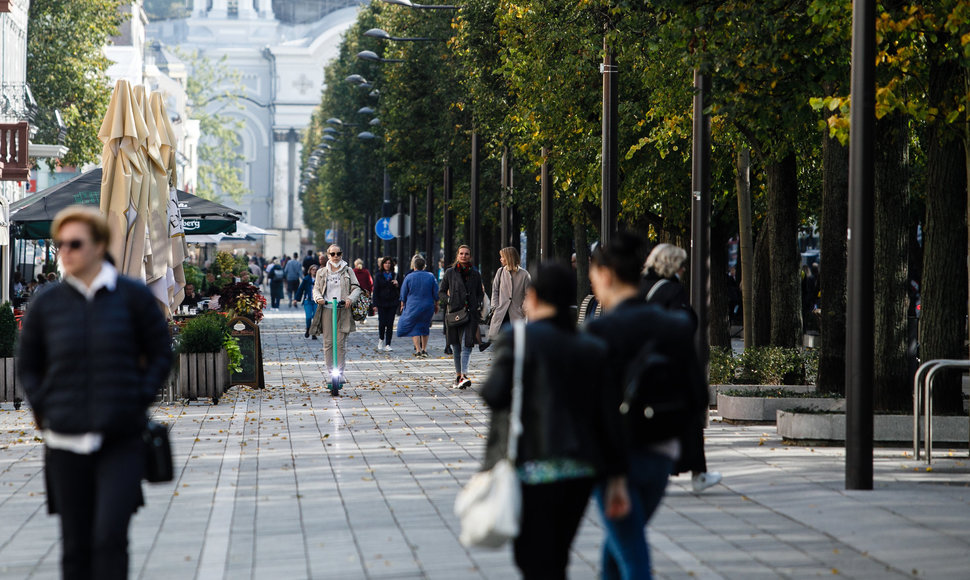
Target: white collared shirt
column 83, row 443
column 107, row 278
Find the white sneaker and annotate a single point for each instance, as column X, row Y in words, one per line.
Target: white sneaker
column 388, row 348
column 702, row 481
column 380, row 345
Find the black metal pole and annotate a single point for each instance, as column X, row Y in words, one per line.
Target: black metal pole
column 412, row 224
column 700, row 211
column 474, row 237
column 402, row 265
column 859, row 344
column 545, row 210
column 449, row 226
column 386, row 207
column 429, row 229
column 503, row 208
column 369, row 242
column 608, row 201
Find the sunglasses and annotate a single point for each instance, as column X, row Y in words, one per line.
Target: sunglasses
column 336, row 253
column 72, row 244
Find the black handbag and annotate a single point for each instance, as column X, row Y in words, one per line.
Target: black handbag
column 158, row 453
column 457, row 317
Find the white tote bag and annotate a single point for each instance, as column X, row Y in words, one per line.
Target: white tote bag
column 490, row 504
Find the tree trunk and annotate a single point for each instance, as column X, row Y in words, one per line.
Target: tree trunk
column 761, row 274
column 745, row 235
column 581, row 243
column 718, row 324
column 944, row 296
column 892, row 386
column 835, row 217
column 786, row 326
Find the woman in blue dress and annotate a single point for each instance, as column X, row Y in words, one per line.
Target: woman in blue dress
column 305, row 293
column 419, row 302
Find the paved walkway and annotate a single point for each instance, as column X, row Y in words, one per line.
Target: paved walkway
column 289, row 483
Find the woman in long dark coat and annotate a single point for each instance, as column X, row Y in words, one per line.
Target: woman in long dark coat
column 661, row 285
column 94, row 351
column 462, row 290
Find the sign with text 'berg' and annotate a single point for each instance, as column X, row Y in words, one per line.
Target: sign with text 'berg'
column 382, row 228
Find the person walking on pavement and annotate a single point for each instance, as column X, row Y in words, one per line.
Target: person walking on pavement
column 386, row 300
column 309, row 260
column 93, row 353
column 255, row 272
column 661, row 286
column 461, row 289
column 568, row 439
column 419, row 302
column 294, row 274
column 335, row 281
column 366, row 283
column 305, row 294
column 276, row 277
column 628, row 325
column 508, row 291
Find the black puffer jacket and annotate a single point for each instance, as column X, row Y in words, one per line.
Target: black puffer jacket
column 566, row 412
column 386, row 295
column 94, row 366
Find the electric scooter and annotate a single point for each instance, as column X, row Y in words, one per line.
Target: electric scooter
column 335, row 375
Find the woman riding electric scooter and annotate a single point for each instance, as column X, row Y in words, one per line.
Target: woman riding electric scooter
column 335, row 286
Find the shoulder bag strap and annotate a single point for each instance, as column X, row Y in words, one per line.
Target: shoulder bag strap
column 659, row 283
column 515, row 417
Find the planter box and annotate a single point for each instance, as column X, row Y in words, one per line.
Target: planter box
column 203, row 374
column 766, row 408
column 10, row 389
column 886, row 428
column 714, row 390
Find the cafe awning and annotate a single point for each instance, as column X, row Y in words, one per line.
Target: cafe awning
column 32, row 216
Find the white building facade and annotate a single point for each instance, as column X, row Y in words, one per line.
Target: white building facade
column 281, row 66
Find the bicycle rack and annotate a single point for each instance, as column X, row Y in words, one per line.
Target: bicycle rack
column 924, row 378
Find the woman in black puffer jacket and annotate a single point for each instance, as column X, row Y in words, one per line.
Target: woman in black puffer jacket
column 93, row 352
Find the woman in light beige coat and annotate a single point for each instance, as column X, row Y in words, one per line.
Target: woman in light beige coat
column 508, row 291
column 334, row 280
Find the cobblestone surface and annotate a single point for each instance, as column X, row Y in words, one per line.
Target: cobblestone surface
column 289, row 482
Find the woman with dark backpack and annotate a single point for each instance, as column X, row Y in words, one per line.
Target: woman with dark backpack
column 653, row 377
column 661, row 286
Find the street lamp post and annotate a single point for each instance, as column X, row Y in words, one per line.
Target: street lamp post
column 859, row 342
column 449, row 227
column 474, row 237
column 608, row 201
column 429, row 225
column 545, row 211
column 700, row 250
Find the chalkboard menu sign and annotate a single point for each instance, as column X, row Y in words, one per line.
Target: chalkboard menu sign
column 246, row 333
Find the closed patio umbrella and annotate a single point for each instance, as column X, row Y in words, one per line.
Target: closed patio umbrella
column 125, row 180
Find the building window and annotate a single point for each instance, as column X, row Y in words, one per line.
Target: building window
column 232, row 8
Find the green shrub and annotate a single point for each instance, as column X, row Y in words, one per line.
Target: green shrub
column 193, row 275
column 203, row 333
column 722, row 366
column 8, row 330
column 770, row 365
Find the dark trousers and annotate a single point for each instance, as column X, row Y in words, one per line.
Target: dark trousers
column 275, row 293
column 385, row 322
column 95, row 496
column 551, row 513
column 291, row 287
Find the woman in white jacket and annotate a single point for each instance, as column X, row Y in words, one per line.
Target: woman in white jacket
column 508, row 291
column 335, row 280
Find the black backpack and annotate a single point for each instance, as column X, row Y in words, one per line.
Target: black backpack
column 664, row 390
column 278, row 272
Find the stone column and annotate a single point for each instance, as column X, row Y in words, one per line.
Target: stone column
column 266, row 9
column 220, row 9
column 198, row 8
column 246, row 10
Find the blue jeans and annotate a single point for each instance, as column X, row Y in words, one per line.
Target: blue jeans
column 461, row 354
column 626, row 554
column 309, row 308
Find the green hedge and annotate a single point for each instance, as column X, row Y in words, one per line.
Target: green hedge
column 203, row 333
column 767, row 365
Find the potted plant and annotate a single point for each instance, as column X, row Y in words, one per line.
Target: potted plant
column 9, row 389
column 207, row 353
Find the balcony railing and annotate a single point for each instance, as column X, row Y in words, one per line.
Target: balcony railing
column 14, row 165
